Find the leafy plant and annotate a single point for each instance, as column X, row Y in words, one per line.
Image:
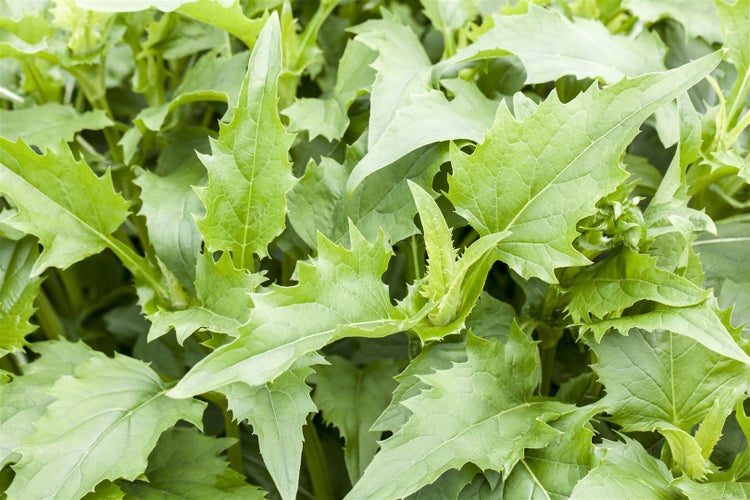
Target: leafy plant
column 326, row 249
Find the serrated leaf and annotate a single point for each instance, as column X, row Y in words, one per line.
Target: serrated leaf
column 249, row 171
column 222, row 301
column 623, row 279
column 277, row 411
column 520, row 179
column 551, row 46
column 727, row 490
column 18, row 290
column 625, row 471
column 701, row 322
column 488, row 416
column 106, row 419
column 60, row 201
column 553, row 471
column 351, row 398
column 735, row 23
column 186, row 464
column 319, row 201
column 24, row 400
column 45, row 126
column 340, row 294
column 700, row 20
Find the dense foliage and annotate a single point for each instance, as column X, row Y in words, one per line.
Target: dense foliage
column 427, row 249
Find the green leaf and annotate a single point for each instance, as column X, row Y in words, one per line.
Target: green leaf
column 679, row 383
column 186, row 464
column 106, row 419
column 249, row 171
column 339, row 294
column 701, row 20
column 721, row 489
column 520, row 179
column 45, row 126
column 222, row 301
column 24, row 400
column 213, row 78
column 18, row 290
column 735, row 23
column 169, row 205
column 60, row 201
column 625, row 470
column 701, row 322
column 351, row 398
column 319, row 201
column 725, row 265
column 488, row 416
column 553, row 471
column 551, row 46
column 327, row 117
column 623, row 279
column 447, row 17
column 277, row 411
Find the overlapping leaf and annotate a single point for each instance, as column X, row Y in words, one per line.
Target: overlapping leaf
column 18, row 289
column 249, row 171
column 47, row 125
column 538, row 177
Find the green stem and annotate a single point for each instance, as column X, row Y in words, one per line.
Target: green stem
column 734, row 134
column 138, row 265
column 735, row 97
column 72, row 287
column 231, row 429
column 49, row 322
column 311, row 30
column 315, row 461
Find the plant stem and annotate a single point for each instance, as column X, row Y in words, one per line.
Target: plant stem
column 49, row 322
column 139, row 266
column 315, row 461
column 232, row 430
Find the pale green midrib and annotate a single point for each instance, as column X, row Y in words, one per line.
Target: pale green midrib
column 122, row 251
column 536, row 480
column 716, row 241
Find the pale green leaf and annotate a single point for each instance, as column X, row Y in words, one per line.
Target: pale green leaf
column 18, row 290
column 24, row 400
column 551, row 46
column 553, row 471
column 47, row 125
column 447, row 17
column 106, row 419
column 383, row 202
column 725, row 258
column 277, row 411
column 351, row 398
column 222, row 301
column 327, row 117
column 186, row 464
column 726, row 490
column 60, row 201
column 677, row 379
column 701, row 322
column 169, row 205
column 339, row 294
column 249, row 171
column 701, row 19
column 488, row 416
column 427, row 117
column 625, row 471
column 623, row 279
column 213, row 78
column 687, row 456
column 449, row 485
column 735, row 23
column 538, row 177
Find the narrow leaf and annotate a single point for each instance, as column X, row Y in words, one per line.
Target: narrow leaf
column 18, row 290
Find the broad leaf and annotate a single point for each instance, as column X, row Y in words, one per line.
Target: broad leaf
column 551, row 46
column 488, row 416
column 186, row 464
column 700, row 20
column 84, row 437
column 60, row 201
column 350, row 398
column 249, row 171
column 222, row 301
column 623, row 279
column 339, row 294
column 47, row 125
column 277, row 411
column 18, row 289
column 625, row 470
column 537, row 178
column 735, row 23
